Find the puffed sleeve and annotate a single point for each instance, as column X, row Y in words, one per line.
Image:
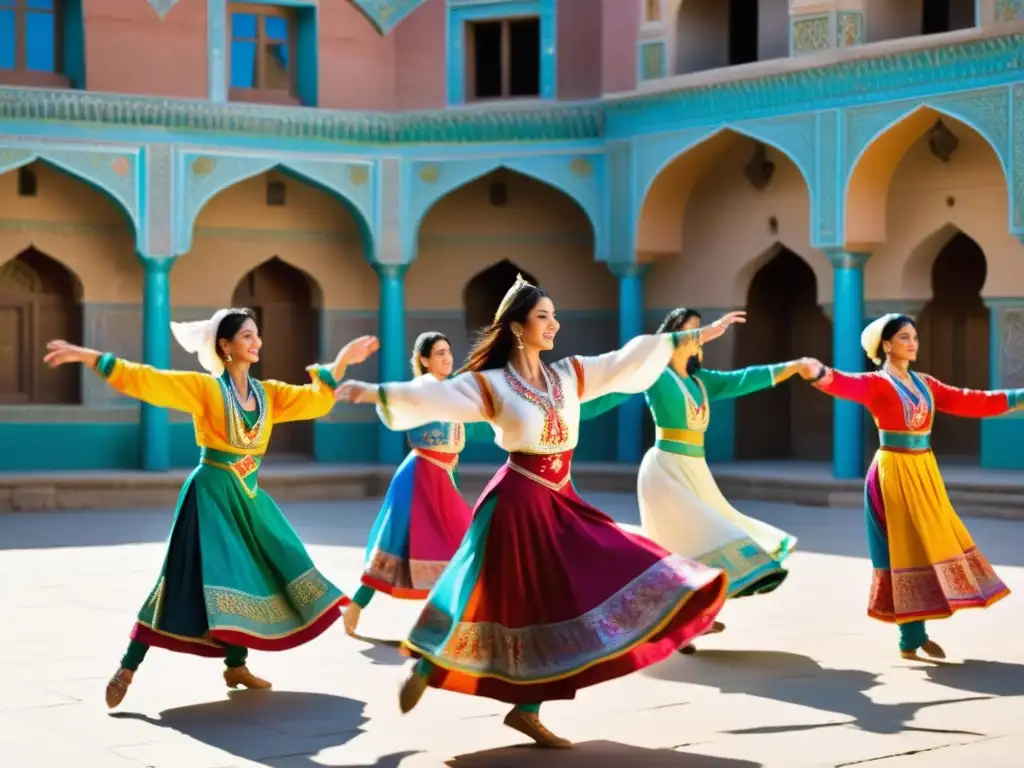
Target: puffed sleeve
column 634, row 367
column 186, row 391
column 410, row 404
column 292, row 402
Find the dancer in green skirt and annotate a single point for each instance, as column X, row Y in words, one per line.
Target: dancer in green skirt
column 235, row 576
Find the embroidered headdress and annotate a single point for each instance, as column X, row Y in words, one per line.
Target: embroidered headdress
column 200, row 338
column 871, row 337
column 506, row 302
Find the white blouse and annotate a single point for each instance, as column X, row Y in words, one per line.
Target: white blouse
column 526, row 419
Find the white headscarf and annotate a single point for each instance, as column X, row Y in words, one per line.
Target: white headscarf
column 871, row 337
column 200, row 338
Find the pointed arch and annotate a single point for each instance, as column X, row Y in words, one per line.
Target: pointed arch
column 274, row 262
column 874, row 167
column 484, row 291
column 81, row 167
column 580, row 178
column 670, row 174
column 40, row 300
column 209, row 176
column 744, row 276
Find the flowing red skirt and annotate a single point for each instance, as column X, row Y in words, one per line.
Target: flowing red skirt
column 548, row 595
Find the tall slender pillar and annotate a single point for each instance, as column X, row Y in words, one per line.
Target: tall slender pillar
column 847, row 355
column 628, row 448
column 393, row 354
column 155, row 432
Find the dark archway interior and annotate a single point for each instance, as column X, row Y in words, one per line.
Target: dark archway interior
column 288, row 319
column 954, row 333
column 484, row 292
column 784, row 323
column 39, row 301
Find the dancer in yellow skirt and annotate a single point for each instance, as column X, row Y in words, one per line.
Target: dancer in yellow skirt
column 926, row 563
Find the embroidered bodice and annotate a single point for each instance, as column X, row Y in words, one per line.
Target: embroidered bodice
column 528, row 419
column 221, row 424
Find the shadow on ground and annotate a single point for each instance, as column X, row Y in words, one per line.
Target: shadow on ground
column 270, row 727
column 797, row 679
column 593, row 754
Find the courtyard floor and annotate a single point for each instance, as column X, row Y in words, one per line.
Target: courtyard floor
column 800, row 678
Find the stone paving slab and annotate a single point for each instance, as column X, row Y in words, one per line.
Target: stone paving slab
column 800, row 678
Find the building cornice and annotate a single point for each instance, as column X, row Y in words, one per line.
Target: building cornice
column 992, row 60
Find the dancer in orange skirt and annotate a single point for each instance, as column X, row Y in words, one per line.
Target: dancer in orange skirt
column 926, row 563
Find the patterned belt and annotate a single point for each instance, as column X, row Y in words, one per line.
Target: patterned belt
column 904, row 442
column 550, row 470
column 242, row 467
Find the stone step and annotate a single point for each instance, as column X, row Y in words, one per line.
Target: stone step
column 972, row 492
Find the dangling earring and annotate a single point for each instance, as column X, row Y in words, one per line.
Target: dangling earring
column 519, row 339
column 228, row 358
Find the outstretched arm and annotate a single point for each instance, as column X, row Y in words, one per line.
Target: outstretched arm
column 595, row 408
column 858, row 387
column 405, row 405
column 973, row 403
column 290, row 402
column 723, row 385
column 181, row 390
column 636, row 366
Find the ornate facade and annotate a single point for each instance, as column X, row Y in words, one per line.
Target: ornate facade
column 387, row 166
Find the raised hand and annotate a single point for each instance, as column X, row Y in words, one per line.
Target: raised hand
column 356, row 392
column 721, row 325
column 60, row 352
column 359, row 349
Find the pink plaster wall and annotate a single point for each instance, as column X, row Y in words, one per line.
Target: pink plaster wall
column 579, row 57
column 420, row 79
column 357, row 64
column 128, row 49
column 620, row 24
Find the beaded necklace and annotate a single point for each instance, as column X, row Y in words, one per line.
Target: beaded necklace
column 239, row 434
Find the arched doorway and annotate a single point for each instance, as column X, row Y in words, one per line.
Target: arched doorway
column 484, row 292
column 287, row 311
column 954, row 331
column 785, row 322
column 39, row 301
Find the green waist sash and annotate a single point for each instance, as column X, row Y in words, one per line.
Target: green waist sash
column 682, row 442
column 904, row 441
column 244, row 468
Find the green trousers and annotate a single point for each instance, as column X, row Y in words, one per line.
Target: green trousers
column 136, row 653
column 363, row 596
column 423, row 669
column 912, row 635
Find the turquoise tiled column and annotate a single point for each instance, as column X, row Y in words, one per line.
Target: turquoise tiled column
column 847, row 324
column 155, row 429
column 631, row 321
column 393, row 354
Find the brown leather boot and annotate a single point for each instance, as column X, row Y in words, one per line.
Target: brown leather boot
column 530, row 725
column 117, row 686
column 236, row 676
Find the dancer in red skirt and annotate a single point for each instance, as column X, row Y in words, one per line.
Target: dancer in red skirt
column 546, row 594
column 424, row 517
